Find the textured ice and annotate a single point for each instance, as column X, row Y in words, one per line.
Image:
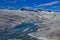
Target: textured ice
column 48, row 22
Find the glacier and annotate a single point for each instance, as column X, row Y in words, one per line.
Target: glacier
column 47, row 24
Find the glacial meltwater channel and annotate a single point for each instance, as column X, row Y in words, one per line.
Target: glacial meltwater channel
column 18, row 30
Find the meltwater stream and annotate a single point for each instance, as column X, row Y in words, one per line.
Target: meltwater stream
column 18, row 30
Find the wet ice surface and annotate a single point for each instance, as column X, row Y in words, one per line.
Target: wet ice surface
column 48, row 24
